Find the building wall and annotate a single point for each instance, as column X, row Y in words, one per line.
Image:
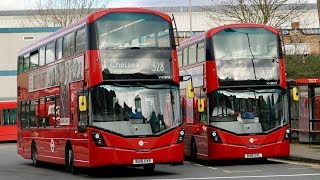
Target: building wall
column 12, row 40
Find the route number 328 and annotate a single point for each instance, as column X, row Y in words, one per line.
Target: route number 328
column 157, row 66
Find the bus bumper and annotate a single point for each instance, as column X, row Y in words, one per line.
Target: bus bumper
column 229, row 151
column 109, row 156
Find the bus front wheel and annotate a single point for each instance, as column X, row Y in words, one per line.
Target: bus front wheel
column 194, row 151
column 70, row 161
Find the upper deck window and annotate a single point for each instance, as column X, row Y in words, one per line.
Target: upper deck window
column 246, row 54
column 68, row 45
column 58, row 49
column 50, row 52
column 245, row 43
column 42, row 56
column 34, row 59
column 80, row 40
column 133, row 30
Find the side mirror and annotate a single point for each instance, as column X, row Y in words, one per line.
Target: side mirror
column 82, row 126
column 190, row 90
column 295, row 94
column 201, row 105
column 82, row 103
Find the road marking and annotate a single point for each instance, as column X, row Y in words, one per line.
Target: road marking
column 258, row 170
column 212, row 168
column 187, row 162
column 296, row 168
column 246, row 177
column 315, row 166
column 8, row 147
column 284, row 161
column 199, row 165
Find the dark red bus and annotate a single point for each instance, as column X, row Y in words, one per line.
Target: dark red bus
column 240, row 106
column 8, row 124
column 103, row 91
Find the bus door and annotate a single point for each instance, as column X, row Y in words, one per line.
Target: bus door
column 79, row 117
column 200, row 118
column 24, row 143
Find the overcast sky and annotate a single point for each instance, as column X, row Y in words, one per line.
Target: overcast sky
column 28, row 4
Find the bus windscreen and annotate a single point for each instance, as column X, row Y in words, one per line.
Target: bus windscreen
column 127, row 41
column 246, row 54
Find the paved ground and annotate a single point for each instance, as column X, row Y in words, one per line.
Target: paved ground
column 305, row 152
column 13, row 167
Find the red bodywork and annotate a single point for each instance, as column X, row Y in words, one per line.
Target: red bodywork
column 233, row 146
column 53, row 140
column 8, row 131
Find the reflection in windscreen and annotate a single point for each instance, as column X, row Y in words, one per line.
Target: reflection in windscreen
column 248, row 111
column 133, row 30
column 135, row 110
column 245, row 43
column 246, row 54
column 248, row 69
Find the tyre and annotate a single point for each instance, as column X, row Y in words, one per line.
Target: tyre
column 70, row 161
column 34, row 156
column 194, row 157
column 149, row 168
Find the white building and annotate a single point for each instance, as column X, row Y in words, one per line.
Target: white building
column 11, row 41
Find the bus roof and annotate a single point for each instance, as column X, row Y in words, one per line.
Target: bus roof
column 214, row 30
column 86, row 20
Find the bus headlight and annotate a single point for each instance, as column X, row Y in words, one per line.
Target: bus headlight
column 98, row 139
column 181, row 136
column 215, row 137
column 287, row 134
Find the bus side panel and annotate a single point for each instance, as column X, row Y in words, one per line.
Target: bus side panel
column 26, row 142
column 8, row 132
column 80, row 146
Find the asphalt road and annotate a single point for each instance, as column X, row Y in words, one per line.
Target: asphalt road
column 14, row 167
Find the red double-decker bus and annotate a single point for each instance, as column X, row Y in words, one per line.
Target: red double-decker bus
column 237, row 107
column 103, row 91
column 8, row 124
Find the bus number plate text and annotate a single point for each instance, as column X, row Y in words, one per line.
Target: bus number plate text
column 257, row 155
column 143, row 161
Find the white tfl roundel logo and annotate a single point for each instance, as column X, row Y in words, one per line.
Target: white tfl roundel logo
column 251, row 140
column 141, row 143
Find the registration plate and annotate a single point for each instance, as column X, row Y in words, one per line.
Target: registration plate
column 143, row 161
column 257, row 155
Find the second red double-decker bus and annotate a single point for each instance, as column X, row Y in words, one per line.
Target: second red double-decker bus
column 102, row 92
column 8, row 117
column 240, row 106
